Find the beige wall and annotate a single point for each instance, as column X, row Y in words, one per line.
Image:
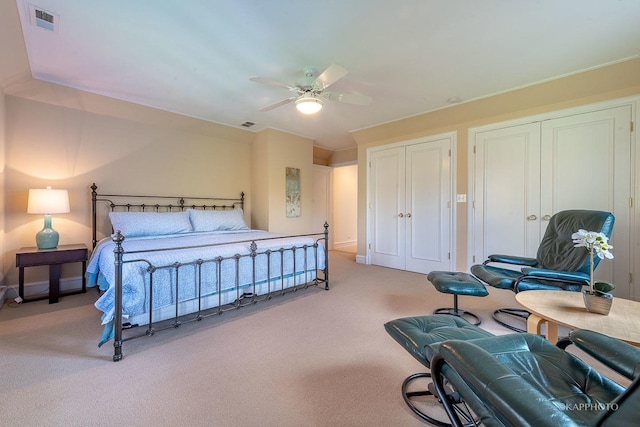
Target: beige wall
column 325, row 157
column 344, row 157
column 615, row 81
column 66, row 138
column 2, row 169
column 345, row 206
column 71, row 148
column 273, row 152
column 69, row 139
column 321, row 156
column 260, row 181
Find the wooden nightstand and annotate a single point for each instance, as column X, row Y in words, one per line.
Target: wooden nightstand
column 54, row 258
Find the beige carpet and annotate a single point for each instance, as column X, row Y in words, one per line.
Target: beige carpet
column 313, row 358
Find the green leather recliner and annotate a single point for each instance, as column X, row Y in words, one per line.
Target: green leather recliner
column 558, row 265
column 524, row 380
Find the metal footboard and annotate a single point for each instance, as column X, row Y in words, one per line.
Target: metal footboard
column 245, row 294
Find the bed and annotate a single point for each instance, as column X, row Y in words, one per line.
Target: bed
column 171, row 260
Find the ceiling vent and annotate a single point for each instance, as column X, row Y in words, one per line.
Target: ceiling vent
column 43, row 19
column 247, row 124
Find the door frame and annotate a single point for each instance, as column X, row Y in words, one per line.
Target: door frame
column 633, row 102
column 453, row 137
column 327, row 176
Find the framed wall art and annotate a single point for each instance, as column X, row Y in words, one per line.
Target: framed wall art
column 293, row 192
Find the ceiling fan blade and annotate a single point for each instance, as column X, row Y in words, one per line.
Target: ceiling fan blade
column 329, row 76
column 348, row 98
column 278, row 104
column 270, row 82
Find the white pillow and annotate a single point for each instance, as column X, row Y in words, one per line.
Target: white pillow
column 217, row 220
column 133, row 224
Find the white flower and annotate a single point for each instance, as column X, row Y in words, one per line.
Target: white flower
column 596, row 243
column 593, row 240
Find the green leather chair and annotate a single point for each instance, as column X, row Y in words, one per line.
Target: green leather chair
column 524, row 380
column 420, row 336
column 558, row 265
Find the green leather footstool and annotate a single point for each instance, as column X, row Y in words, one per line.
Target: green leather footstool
column 457, row 283
column 421, row 336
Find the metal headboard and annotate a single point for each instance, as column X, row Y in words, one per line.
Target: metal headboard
column 149, row 203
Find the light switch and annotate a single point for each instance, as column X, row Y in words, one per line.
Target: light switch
column 461, row 198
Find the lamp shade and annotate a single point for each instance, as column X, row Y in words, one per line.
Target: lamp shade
column 48, row 201
column 308, row 104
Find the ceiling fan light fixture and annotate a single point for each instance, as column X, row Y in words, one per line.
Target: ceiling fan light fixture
column 308, row 104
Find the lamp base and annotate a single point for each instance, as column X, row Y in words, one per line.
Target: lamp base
column 47, row 238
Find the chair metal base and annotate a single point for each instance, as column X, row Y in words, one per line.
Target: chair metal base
column 453, row 398
column 472, row 318
column 517, row 313
column 409, row 395
column 451, row 401
column 455, row 311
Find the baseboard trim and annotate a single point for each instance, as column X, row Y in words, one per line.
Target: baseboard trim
column 40, row 288
column 345, row 244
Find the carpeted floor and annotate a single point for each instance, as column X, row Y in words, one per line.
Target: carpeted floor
column 312, row 358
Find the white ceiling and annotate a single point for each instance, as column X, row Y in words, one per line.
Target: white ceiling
column 195, row 57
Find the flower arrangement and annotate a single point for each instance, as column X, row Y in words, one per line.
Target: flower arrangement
column 597, row 243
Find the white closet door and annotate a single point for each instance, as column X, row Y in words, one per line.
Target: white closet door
column 586, row 164
column 524, row 174
column 386, row 204
column 428, row 207
column 507, row 192
column 409, row 206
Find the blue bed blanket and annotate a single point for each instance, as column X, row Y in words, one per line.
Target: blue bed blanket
column 185, row 248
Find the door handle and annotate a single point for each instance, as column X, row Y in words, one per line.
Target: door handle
column 532, row 218
column 546, row 217
column 409, row 215
column 401, row 215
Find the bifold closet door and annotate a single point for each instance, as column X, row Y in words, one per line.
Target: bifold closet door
column 410, row 206
column 427, row 210
column 507, row 192
column 524, row 174
column 586, row 164
column 387, row 203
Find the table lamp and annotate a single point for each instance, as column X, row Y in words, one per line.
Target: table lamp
column 48, row 201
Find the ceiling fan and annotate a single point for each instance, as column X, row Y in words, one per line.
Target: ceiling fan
column 311, row 90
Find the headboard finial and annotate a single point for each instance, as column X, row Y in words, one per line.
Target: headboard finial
column 117, row 237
